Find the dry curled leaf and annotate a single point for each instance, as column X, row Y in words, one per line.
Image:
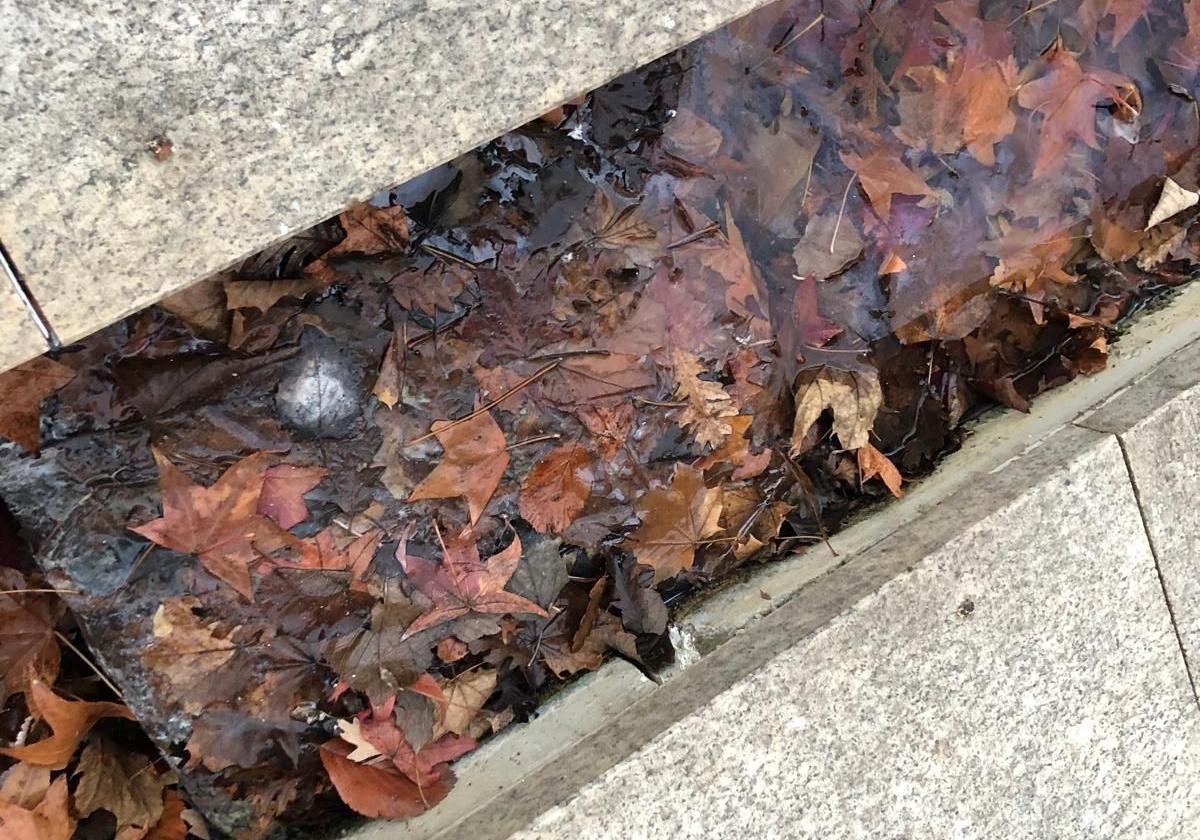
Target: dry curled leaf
column 465, row 696
column 555, row 490
column 69, row 722
column 1172, row 200
column 854, row 397
column 872, row 463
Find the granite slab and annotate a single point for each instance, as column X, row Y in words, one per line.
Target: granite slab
column 266, row 119
column 1020, row 680
column 1157, row 421
column 20, row 339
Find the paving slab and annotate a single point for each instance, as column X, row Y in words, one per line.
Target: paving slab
column 1157, row 420
column 278, row 117
column 1020, row 680
column 20, row 339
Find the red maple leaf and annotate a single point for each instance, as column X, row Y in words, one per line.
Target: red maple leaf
column 463, row 584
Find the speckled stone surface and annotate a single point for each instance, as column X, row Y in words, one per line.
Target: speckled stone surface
column 1020, row 681
column 19, row 336
column 280, row 115
column 1157, row 420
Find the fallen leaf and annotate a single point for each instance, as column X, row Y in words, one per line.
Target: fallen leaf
column 675, row 521
column 854, row 397
column 462, row 584
column 606, row 634
column 556, row 488
column 329, row 551
column 220, row 524
column 27, row 627
column 1173, row 199
column 42, row 812
column 882, row 175
column 609, row 426
column 263, row 294
column 25, row 388
column 476, row 456
column 172, row 825
column 69, row 722
column 811, row 328
column 283, row 489
column 424, row 766
column 872, row 463
column 371, row 230
column 451, row 649
column 378, row 791
column 122, row 782
column 541, row 574
column 618, row 227
column 708, row 402
column 379, row 659
column 202, row 306
column 736, row 452
column 390, row 380
column 465, row 696
column 822, row 254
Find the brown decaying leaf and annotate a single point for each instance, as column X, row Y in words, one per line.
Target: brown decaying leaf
column 872, row 463
column 463, row 584
column 389, row 382
column 736, row 452
column 822, row 254
column 29, row 645
column 263, row 294
column 556, row 488
column 854, row 397
column 34, row 808
column 331, row 551
column 171, row 825
column 219, row 524
column 708, row 402
column 69, row 721
column 608, row 426
column 451, row 649
column 25, row 387
column 465, row 696
column 122, row 782
column 283, row 489
column 475, row 459
column 606, row 633
column 378, row 791
column 883, row 174
column 675, row 521
column 201, row 306
column 1172, row 200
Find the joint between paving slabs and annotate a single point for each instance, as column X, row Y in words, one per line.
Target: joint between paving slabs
column 1162, row 582
column 27, row 299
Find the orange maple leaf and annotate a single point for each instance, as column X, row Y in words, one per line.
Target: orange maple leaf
column 463, row 584
column 557, row 487
column 675, row 520
column 70, row 721
column 284, row 486
column 219, row 524
column 475, row 460
column 882, row 175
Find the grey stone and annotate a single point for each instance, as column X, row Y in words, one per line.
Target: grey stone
column 279, row 116
column 1020, row 679
column 1157, row 420
column 19, row 336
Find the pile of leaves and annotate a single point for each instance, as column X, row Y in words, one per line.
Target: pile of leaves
column 334, row 517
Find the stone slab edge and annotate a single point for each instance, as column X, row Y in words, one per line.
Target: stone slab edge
column 609, row 714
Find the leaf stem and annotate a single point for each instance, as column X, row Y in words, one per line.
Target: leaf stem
column 87, row 661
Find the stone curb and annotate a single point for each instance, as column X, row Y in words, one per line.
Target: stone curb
column 607, row 718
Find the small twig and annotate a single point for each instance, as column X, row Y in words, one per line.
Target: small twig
column 661, row 403
column 412, row 343
column 1028, row 12
column 533, row 440
column 489, row 405
column 707, row 230
column 841, row 212
column 39, row 591
column 87, row 661
column 566, row 354
column 778, row 48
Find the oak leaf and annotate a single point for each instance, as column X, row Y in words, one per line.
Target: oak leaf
column 556, row 488
column 33, row 808
column 122, row 782
column 675, row 521
column 463, row 584
column 283, row 489
column 25, row 387
column 708, row 402
column 476, row 456
column 69, row 721
column 854, row 397
column 872, row 463
column 220, row 524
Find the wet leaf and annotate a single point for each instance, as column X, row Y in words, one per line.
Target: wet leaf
column 25, row 387
column 463, row 584
column 708, row 402
column 69, row 722
column 556, row 488
column 27, row 628
column 378, row 791
column 830, row 243
column 283, row 489
column 675, row 521
column 476, row 456
column 121, row 782
column 872, row 463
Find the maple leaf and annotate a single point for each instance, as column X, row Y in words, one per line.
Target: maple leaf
column 327, row 552
column 675, row 521
column 736, row 452
column 33, row 808
column 425, row 765
column 25, row 387
column 609, row 426
column 121, row 782
column 462, row 584
column 220, row 524
column 465, row 696
column 69, row 721
column 854, row 398
column 1066, row 96
column 476, row 456
column 378, row 791
column 379, row 659
column 883, row 174
column 555, row 490
column 283, row 489
column 872, row 463
column 707, row 401
column 27, row 621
